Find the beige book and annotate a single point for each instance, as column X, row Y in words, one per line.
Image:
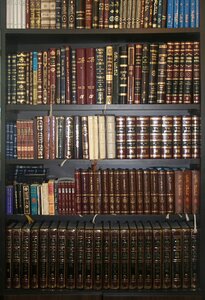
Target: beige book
column 110, row 137
column 45, row 14
column 101, row 135
column 44, row 199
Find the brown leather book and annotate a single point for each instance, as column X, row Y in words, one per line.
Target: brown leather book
column 106, row 14
column 137, row 73
column 143, row 137
column 67, row 75
column 154, row 187
column 161, row 73
column 140, row 256
column 52, row 87
column 139, row 192
column 84, row 192
column 133, row 241
column 166, row 256
column 88, row 14
column 188, row 72
column 145, row 73
column 25, row 258
column 90, row 75
column 8, row 256
column 147, row 191
column 106, row 259
column 130, row 137
column 78, row 192
column 196, row 136
column 162, row 191
column 109, row 75
column 81, row 75
column 80, row 256
column 34, row 252
column 176, row 255
column 120, row 137
column 196, row 72
column 167, row 137
column 152, row 83
column 179, row 192
column 181, row 72
column 194, row 271
column 195, row 191
column 97, row 192
column 21, row 77
column 170, row 190
column 176, row 68
column 43, row 255
column 91, row 191
column 72, row 12
column 111, row 173
column 148, row 256
column 98, row 247
column 64, row 14
column 80, row 14
column 130, row 71
column 105, row 191
column 177, row 136
column 75, row 251
column 186, row 137
column 52, row 138
column 155, row 136
column 95, row 13
column 117, row 191
column 187, row 191
column 124, row 191
column 46, row 136
column 89, row 256
column 52, row 257
column 157, row 255
column 124, row 248
column 169, row 75
column 61, row 255
column 186, row 255
column 132, row 191
column 101, row 13
column 115, row 256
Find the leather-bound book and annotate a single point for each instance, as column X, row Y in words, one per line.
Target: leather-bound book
column 123, row 14
column 88, row 14
column 147, row 191
column 52, row 138
column 101, row 14
column 35, row 77
column 64, row 14
column 58, row 14
column 8, row 254
column 196, row 136
column 195, row 191
column 85, row 191
column 25, row 258
column 164, row 13
column 46, row 136
column 123, row 63
column 60, row 131
column 89, row 256
column 81, row 75
column 115, row 256
column 129, row 14
column 145, row 72
column 21, row 77
column 139, row 192
column 175, row 79
column 34, row 255
column 194, row 273
column 69, row 137
column 157, row 255
column 43, row 255
column 116, row 62
column 80, row 14
column 186, row 256
column 78, row 192
column 155, row 13
column 9, row 68
column 140, row 255
column 74, row 98
column 52, row 257
column 138, row 14
column 154, row 187
column 72, row 14
column 26, row 198
column 111, row 175
column 100, row 75
column 150, row 14
column 124, row 187
column 132, row 191
column 177, row 136
column 106, row 258
column 169, row 75
column 155, row 136
column 68, row 83
column 130, row 137
column 166, row 256
column 167, row 136
column 187, row 191
column 85, row 144
column 106, row 13
column 109, row 75
column 162, row 191
column 44, row 78
column 117, row 14
column 61, row 255
column 52, row 14
column 133, row 241
column 97, row 192
column 161, row 73
column 124, row 249
column 196, row 73
column 74, row 251
column 179, row 192
column 95, row 14
column 98, row 256
column 117, row 191
column 152, row 83
column 101, row 137
column 90, row 75
column 176, row 255
column 58, row 77
column 77, row 137
column 38, row 14
column 146, row 13
column 16, row 255
column 110, row 137
column 181, row 73
column 170, row 190
column 148, row 256
column 105, row 191
column 39, row 136
column 137, row 73
column 143, row 137
column 52, row 87
column 188, row 72
column 80, row 255
column 130, row 75
column 111, row 18
column 186, row 137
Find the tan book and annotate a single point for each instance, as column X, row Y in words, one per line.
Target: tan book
column 110, row 137
column 52, row 14
column 51, row 197
column 45, row 14
column 101, row 136
column 44, row 199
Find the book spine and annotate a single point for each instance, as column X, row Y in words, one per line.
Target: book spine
column 52, row 138
column 46, row 136
column 138, row 73
column 90, row 76
column 123, row 63
column 102, row 137
column 132, row 191
column 120, row 137
column 97, row 192
column 130, row 75
column 84, row 192
column 197, row 13
column 154, row 188
column 70, row 68
column 106, row 259
column 166, row 258
column 45, row 77
column 152, row 85
column 159, row 14
column 106, row 14
column 145, row 73
column 161, row 74
column 116, row 58
column 78, row 193
column 181, row 13
column 179, row 192
column 169, row 74
column 176, row 68
column 95, row 13
column 34, row 257
column 80, row 256
column 167, row 137
column 155, row 13
column 52, row 14
column 176, row 257
column 77, row 137
column 109, row 75
column 85, row 144
column 13, row 78
column 21, row 78
column 43, row 257
column 194, row 259
column 8, row 256
column 105, row 191
column 147, row 191
column 72, row 14
column 170, row 190
column 100, row 75
column 81, row 75
column 58, row 77
column 111, row 14
column 61, row 257
column 115, row 249
column 164, row 13
column 181, row 73
column 117, row 191
column 124, row 257
column 196, row 136
column 9, row 199
column 64, row 14
column 111, row 191
column 52, row 92
column 74, row 77
column 140, row 257
column 88, row 277
column 37, row 14
column 170, row 13
column 75, row 240
column 101, row 13
column 117, row 14
column 162, row 191
column 155, row 137
column 177, row 136
column 58, row 14
column 187, row 14
column 124, row 209
column 133, row 256
column 139, row 192
column 196, row 73
column 148, row 266
column 88, row 14
column 32, row 14
column 130, row 137
column 69, row 137
column 52, row 260
column 98, row 257
column 186, row 137
column 187, row 191
column 80, row 14
column 176, row 14
column 110, row 137
column 40, row 78
column 26, row 199
column 157, row 257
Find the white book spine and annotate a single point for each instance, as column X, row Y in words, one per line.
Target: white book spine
column 19, row 13
column 9, row 14
column 15, row 16
column 23, row 14
column 110, row 137
column 101, row 134
column 90, row 137
column 95, row 137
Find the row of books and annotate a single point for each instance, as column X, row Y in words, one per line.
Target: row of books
column 109, row 191
column 104, row 137
column 79, row 14
column 118, row 255
column 137, row 73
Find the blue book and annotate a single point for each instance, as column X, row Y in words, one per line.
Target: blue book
column 170, row 13
column 187, row 14
column 176, row 13
column 9, row 199
column 192, row 13
column 181, row 13
column 197, row 14
column 34, row 198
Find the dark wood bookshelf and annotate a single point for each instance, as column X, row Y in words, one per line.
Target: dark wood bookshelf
column 30, row 39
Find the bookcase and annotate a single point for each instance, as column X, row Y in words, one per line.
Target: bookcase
column 18, row 40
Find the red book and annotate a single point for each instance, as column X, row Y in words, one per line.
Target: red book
column 67, row 75
column 90, row 76
column 81, row 76
column 88, row 14
column 52, row 143
column 78, row 192
column 52, row 57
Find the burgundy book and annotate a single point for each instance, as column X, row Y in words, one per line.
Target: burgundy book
column 181, row 73
column 52, row 139
column 124, row 256
column 74, row 252
column 124, row 191
column 154, row 188
column 188, row 72
column 95, row 13
column 46, row 137
column 120, row 137
column 90, row 76
column 170, row 190
column 79, row 256
column 98, row 247
column 89, row 256
column 196, row 73
column 143, row 137
column 177, row 136
column 130, row 137
column 152, row 83
column 186, row 137
column 78, row 192
column 169, row 75
column 155, row 136
column 97, row 192
column 132, row 191
column 162, row 191
column 105, row 191
column 117, row 191
column 81, row 75
column 147, row 191
column 179, row 192
column 84, row 191
column 137, row 73
column 111, row 190
column 106, row 13
column 52, row 60
column 140, row 205
column 101, row 13
column 167, row 138
column 196, row 136
column 115, row 256
column 145, row 73
column 88, row 14
column 67, row 75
